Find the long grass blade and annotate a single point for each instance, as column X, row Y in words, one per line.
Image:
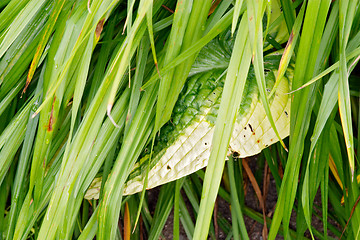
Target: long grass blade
column 234, row 86
column 47, row 32
column 346, row 15
column 289, row 49
column 19, row 23
column 126, row 54
column 255, row 15
column 237, row 8
column 301, row 109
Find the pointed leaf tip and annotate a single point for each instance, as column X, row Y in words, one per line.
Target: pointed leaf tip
column 88, row 6
column 99, row 28
column 109, row 107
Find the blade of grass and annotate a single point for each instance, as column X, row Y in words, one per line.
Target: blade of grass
column 47, row 32
column 8, row 14
column 88, row 26
column 149, row 22
column 12, row 137
column 237, row 8
column 316, row 161
column 107, row 45
column 289, row 49
column 79, row 152
column 316, row 166
column 333, row 67
column 217, row 14
column 89, row 231
column 176, row 224
column 223, row 23
column 175, row 41
column 346, row 15
column 51, row 115
column 143, row 115
column 194, row 31
column 300, row 111
column 5, row 188
column 100, row 115
column 232, row 94
column 136, row 138
column 23, row 165
column 104, row 143
column 19, row 23
column 236, row 213
column 255, row 15
column 324, row 199
column 17, row 58
column 289, row 13
column 186, row 220
column 162, row 210
column 7, row 100
column 29, row 213
column 137, row 82
column 126, row 54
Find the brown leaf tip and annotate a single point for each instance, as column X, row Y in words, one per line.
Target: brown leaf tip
column 51, row 119
column 99, row 28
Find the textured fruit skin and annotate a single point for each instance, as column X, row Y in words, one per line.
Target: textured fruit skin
column 183, row 144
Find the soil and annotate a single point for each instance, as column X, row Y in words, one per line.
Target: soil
column 253, row 227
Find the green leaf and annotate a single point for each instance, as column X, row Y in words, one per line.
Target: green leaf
column 232, row 93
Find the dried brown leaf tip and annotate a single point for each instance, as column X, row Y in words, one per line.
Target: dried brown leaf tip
column 99, row 28
column 167, row 8
column 51, row 119
column 214, row 5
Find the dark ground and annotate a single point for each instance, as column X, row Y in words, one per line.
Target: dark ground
column 254, row 228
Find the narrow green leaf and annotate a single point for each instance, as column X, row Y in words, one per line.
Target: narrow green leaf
column 324, row 199
column 223, row 23
column 289, row 49
column 149, row 22
column 289, row 13
column 194, row 31
column 255, row 15
column 232, row 94
column 186, row 220
column 346, row 15
column 300, row 111
column 19, row 24
column 236, row 208
column 47, row 32
column 176, row 224
column 126, row 54
column 175, row 42
column 237, row 8
column 23, row 165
